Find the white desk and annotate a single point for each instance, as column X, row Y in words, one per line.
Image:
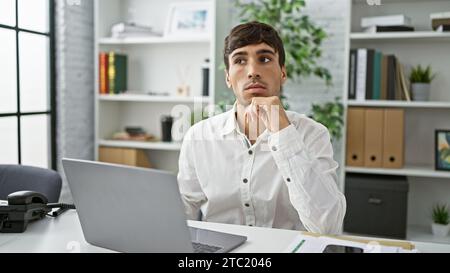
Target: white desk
column 64, row 234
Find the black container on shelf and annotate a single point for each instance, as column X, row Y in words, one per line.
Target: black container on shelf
column 205, row 78
column 376, row 205
column 166, row 128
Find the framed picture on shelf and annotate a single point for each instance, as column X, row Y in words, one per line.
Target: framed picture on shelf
column 190, row 19
column 442, row 150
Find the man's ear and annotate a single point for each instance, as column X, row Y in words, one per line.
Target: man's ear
column 283, row 74
column 227, row 79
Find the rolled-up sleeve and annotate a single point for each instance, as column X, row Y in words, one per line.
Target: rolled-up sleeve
column 309, row 171
column 191, row 191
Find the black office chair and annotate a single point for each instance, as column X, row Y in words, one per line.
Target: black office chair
column 26, row 178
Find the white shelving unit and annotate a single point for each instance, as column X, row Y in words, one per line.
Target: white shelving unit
column 148, row 98
column 416, row 35
column 164, row 146
column 426, row 47
column 416, row 171
column 155, row 64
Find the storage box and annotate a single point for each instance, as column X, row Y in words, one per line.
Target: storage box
column 124, row 156
column 376, row 205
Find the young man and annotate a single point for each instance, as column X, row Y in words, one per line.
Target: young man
column 258, row 164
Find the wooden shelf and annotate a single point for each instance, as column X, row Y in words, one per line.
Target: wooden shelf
column 417, row 35
column 415, row 171
column 401, row 104
column 149, row 98
column 153, row 40
column 167, row 146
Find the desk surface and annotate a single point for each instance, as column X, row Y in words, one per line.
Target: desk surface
column 64, row 234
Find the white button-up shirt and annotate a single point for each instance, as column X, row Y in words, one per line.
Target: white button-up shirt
column 284, row 180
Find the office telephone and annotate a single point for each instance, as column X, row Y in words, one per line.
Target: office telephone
column 25, row 206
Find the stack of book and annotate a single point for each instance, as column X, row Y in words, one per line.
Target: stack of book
column 440, row 21
column 375, row 76
column 126, row 30
column 112, row 73
column 386, row 23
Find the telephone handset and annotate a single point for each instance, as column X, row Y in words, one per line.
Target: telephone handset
column 26, row 197
column 25, row 206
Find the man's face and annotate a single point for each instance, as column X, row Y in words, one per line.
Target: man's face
column 254, row 71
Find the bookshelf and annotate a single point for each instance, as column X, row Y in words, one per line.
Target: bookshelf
column 154, row 65
column 415, row 36
column 422, row 118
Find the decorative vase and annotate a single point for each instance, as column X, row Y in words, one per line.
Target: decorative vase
column 420, row 91
column 440, row 230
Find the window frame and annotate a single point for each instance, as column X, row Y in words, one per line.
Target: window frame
column 51, row 112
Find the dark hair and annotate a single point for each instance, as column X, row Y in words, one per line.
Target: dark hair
column 250, row 34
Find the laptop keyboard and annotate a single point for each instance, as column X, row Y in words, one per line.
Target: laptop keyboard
column 204, row 248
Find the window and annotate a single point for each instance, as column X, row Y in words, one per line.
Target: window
column 27, row 83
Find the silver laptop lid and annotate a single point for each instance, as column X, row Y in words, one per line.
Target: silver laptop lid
column 115, row 202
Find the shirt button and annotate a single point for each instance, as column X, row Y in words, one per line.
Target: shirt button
column 247, row 205
column 245, row 180
column 288, row 180
column 274, row 148
column 250, row 152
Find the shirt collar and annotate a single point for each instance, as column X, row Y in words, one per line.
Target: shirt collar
column 230, row 122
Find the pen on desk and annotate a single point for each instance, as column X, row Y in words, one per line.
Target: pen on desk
column 298, row 246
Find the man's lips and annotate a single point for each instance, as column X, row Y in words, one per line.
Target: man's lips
column 255, row 88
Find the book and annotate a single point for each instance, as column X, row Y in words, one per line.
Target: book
column 103, row 72
column 391, row 77
column 376, row 92
column 387, row 20
column 352, row 75
column 404, row 84
column 384, row 75
column 369, row 74
column 117, row 73
column 375, row 29
column 361, row 70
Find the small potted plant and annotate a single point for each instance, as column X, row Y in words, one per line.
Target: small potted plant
column 440, row 225
column 420, row 79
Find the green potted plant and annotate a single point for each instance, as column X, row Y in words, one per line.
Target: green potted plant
column 330, row 115
column 420, row 79
column 440, row 225
column 301, row 37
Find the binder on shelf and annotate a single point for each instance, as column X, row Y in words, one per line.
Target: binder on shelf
column 373, row 137
column 355, row 137
column 393, row 138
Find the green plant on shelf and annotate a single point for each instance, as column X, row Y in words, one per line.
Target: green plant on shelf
column 440, row 214
column 421, row 75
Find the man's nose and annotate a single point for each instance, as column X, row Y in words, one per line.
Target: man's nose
column 252, row 72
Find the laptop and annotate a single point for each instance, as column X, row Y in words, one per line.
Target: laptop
column 130, row 209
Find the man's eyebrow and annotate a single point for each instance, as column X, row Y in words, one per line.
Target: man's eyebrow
column 265, row 51
column 239, row 53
